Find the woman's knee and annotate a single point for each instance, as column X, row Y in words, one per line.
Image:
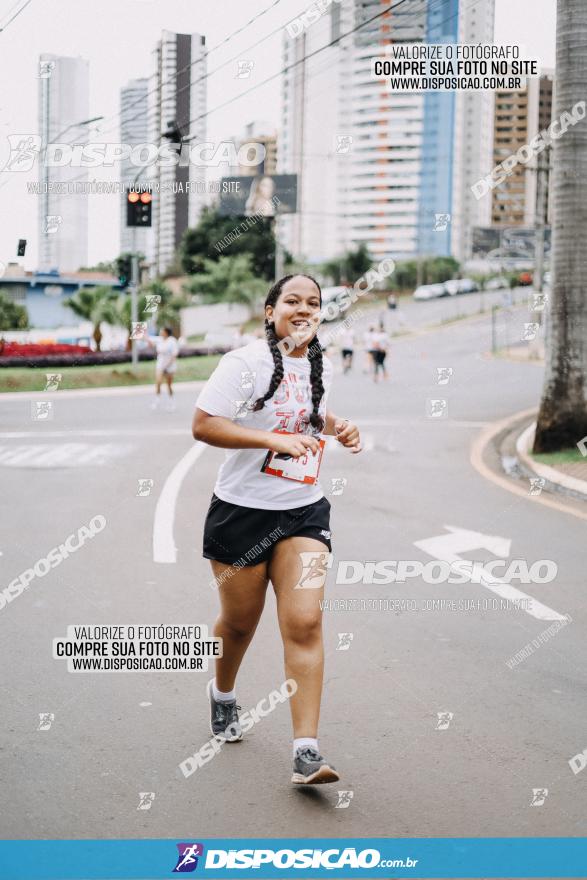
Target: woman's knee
column 304, row 629
column 241, row 628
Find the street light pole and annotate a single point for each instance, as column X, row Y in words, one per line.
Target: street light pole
column 134, row 304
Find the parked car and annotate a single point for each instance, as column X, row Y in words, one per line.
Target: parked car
column 498, row 283
column 460, row 285
column 467, row 285
column 335, row 295
column 525, row 279
column 430, row 291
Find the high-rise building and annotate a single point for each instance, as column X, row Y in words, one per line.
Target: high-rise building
column 473, row 145
column 63, row 117
column 519, row 116
column 134, row 130
column 177, row 106
column 376, row 166
column 260, row 133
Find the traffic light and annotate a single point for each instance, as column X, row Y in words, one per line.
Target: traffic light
column 138, row 206
column 21, row 247
column 124, row 269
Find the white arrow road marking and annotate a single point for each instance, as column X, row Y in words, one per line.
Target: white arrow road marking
column 164, row 549
column 448, row 546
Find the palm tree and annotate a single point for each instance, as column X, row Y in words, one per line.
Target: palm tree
column 95, row 304
column 230, row 280
column 166, row 314
column 562, row 418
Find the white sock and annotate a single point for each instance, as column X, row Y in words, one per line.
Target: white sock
column 222, row 696
column 305, row 742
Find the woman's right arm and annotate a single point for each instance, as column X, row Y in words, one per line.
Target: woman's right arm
column 223, row 432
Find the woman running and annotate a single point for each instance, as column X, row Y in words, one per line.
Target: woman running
column 347, row 348
column 167, row 349
column 268, row 519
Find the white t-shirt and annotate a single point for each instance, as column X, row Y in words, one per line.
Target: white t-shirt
column 347, row 339
column 368, row 339
column 166, row 350
column 381, row 340
column 241, row 377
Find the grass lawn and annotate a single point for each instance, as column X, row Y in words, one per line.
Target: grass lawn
column 565, row 456
column 103, row 375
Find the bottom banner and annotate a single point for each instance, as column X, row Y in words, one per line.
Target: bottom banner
column 551, row 857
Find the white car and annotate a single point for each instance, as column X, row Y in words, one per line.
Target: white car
column 334, row 295
column 453, row 286
column 429, row 291
column 499, row 283
column 460, row 285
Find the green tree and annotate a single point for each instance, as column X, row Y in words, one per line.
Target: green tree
column 439, row 269
column 349, row 267
column 356, row 263
column 562, row 418
column 103, row 266
column 166, row 314
column 12, row 315
column 209, row 241
column 231, row 280
column 95, row 304
column 405, row 275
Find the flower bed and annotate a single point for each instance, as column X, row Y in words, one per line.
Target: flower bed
column 45, row 355
column 40, row 349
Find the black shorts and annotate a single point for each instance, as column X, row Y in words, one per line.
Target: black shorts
column 347, row 352
column 247, row 535
column 379, row 357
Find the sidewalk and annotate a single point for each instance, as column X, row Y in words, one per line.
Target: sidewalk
column 568, row 477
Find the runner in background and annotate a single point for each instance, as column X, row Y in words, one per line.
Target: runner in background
column 368, row 350
column 347, row 349
column 268, row 519
column 167, row 348
column 381, row 345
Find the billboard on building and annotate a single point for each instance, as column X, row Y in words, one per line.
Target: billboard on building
column 263, row 195
column 509, row 243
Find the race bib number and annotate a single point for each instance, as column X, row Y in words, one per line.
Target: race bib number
column 304, row 469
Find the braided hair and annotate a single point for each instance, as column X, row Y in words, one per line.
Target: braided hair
column 314, row 355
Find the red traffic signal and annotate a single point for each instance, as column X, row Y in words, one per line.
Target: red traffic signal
column 138, row 207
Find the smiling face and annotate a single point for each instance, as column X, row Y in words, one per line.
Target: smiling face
column 296, row 312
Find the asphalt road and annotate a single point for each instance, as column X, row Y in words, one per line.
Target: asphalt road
column 411, row 773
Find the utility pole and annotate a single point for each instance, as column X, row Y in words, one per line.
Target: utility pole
column 134, row 302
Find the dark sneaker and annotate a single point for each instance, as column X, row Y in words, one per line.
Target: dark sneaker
column 224, row 721
column 310, row 768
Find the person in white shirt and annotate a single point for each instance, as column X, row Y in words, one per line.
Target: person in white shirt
column 268, row 519
column 380, row 341
column 167, row 348
column 347, row 343
column 369, row 350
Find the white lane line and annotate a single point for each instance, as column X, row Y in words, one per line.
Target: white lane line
column 118, row 391
column 101, row 432
column 164, row 549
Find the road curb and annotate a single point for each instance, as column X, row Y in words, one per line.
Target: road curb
column 551, row 475
column 116, row 391
column 484, row 447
